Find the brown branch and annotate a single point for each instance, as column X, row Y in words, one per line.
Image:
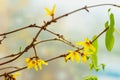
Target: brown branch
column 14, row 71
column 2, row 39
column 35, row 52
column 30, row 26
column 51, row 59
column 100, row 34
column 20, row 53
column 84, row 8
column 68, row 43
column 8, row 56
column 9, row 67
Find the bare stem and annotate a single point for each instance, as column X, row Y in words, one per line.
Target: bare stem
column 35, row 51
column 9, row 67
column 16, row 30
column 100, row 34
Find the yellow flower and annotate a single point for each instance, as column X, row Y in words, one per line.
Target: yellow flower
column 35, row 63
column 15, row 75
column 87, row 45
column 40, row 62
column 84, row 56
column 73, row 55
column 88, row 49
column 51, row 12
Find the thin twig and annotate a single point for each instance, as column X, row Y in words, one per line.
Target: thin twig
column 9, row 67
column 8, row 56
column 100, row 34
column 35, row 51
column 16, row 30
column 44, row 41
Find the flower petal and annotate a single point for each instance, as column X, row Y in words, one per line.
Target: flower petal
column 15, row 75
column 27, row 60
column 84, row 59
column 77, row 57
column 36, row 67
column 48, row 11
column 53, row 9
column 80, row 43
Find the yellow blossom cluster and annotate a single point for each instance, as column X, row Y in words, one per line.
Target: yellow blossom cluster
column 88, row 49
column 35, row 63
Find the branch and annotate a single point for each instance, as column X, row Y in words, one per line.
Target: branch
column 9, row 67
column 30, row 26
column 86, row 8
column 100, row 34
column 35, row 52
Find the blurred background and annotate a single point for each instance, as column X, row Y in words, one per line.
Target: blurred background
column 16, row 14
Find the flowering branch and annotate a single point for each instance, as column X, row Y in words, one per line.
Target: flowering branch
column 31, row 63
column 54, row 58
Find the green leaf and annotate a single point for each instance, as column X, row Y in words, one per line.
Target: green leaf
column 109, row 41
column 109, row 37
column 94, row 56
column 103, row 66
column 112, row 22
column 106, row 24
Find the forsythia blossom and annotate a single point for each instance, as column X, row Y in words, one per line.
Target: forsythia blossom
column 15, row 75
column 73, row 55
column 86, row 44
column 88, row 48
column 51, row 12
column 84, row 56
column 35, row 63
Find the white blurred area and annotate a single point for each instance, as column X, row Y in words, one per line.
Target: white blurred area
column 16, row 14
